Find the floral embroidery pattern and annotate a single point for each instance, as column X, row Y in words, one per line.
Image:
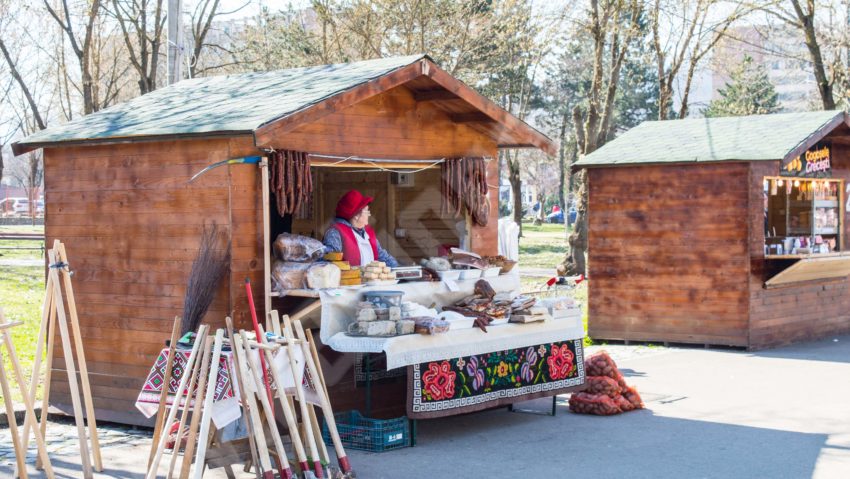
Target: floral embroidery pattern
column 476, row 374
column 500, row 370
column 560, row 362
column 439, row 381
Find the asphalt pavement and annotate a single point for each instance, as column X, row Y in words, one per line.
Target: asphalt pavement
column 783, row 413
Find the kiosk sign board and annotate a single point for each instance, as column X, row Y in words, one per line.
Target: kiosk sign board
column 816, row 162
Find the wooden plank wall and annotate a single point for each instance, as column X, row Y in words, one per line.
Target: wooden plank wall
column 394, row 125
column 667, row 253
column 418, row 213
column 131, row 225
column 797, row 312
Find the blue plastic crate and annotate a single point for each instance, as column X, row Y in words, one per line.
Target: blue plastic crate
column 365, row 434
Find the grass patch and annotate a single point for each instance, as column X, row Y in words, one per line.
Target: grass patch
column 33, row 229
column 21, row 249
column 21, row 295
column 579, row 294
column 542, row 246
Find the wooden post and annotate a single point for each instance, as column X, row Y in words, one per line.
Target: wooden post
column 327, row 410
column 48, row 371
column 46, row 311
column 166, row 381
column 30, row 413
column 172, row 413
column 184, row 413
column 299, row 396
column 253, row 412
column 288, row 409
column 188, row 452
column 20, row 452
column 267, row 263
column 69, row 366
column 81, row 357
column 243, row 395
column 207, row 411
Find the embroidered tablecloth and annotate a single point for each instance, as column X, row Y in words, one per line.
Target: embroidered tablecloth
column 480, row 381
column 226, row 397
column 225, row 404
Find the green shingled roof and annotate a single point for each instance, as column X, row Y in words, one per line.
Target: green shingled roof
column 221, row 104
column 747, row 138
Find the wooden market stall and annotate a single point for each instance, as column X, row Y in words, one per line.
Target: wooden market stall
column 721, row 231
column 118, row 193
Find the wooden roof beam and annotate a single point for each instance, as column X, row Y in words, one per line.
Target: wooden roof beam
column 265, row 135
column 472, row 117
column 839, row 119
column 524, row 132
column 519, row 131
column 439, row 94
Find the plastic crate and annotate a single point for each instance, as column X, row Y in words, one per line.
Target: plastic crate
column 365, row 434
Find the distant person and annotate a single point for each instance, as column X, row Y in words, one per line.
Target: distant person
column 556, row 208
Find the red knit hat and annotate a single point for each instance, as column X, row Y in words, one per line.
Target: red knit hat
column 352, row 203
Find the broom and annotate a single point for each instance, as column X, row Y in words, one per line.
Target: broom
column 208, row 269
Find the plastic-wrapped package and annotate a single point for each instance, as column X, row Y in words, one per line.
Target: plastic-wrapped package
column 437, row 263
column 323, row 275
column 425, row 325
column 289, row 247
column 289, row 275
column 372, row 328
column 406, row 326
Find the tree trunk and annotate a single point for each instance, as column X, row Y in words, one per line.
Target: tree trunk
column 516, row 190
column 807, row 23
column 575, row 262
column 562, row 166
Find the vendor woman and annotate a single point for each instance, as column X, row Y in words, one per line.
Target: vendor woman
column 350, row 232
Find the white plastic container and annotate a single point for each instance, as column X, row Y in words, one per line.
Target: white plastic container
column 450, row 274
column 470, row 273
column 491, row 272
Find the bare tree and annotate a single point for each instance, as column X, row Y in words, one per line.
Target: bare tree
column 691, row 35
column 142, row 25
column 612, row 26
column 802, row 16
column 81, row 49
column 13, row 70
column 218, row 53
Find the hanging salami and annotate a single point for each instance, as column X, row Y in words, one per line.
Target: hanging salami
column 464, row 187
column 289, row 178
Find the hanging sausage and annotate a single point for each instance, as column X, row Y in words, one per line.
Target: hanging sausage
column 289, row 178
column 464, row 187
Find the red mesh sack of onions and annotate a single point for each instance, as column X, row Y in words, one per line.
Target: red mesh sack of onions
column 597, row 404
column 601, row 364
column 623, row 403
column 602, row 385
column 631, row 394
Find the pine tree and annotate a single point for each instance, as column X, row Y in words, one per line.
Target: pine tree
column 749, row 92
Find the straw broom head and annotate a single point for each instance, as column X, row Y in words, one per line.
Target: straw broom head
column 209, row 267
